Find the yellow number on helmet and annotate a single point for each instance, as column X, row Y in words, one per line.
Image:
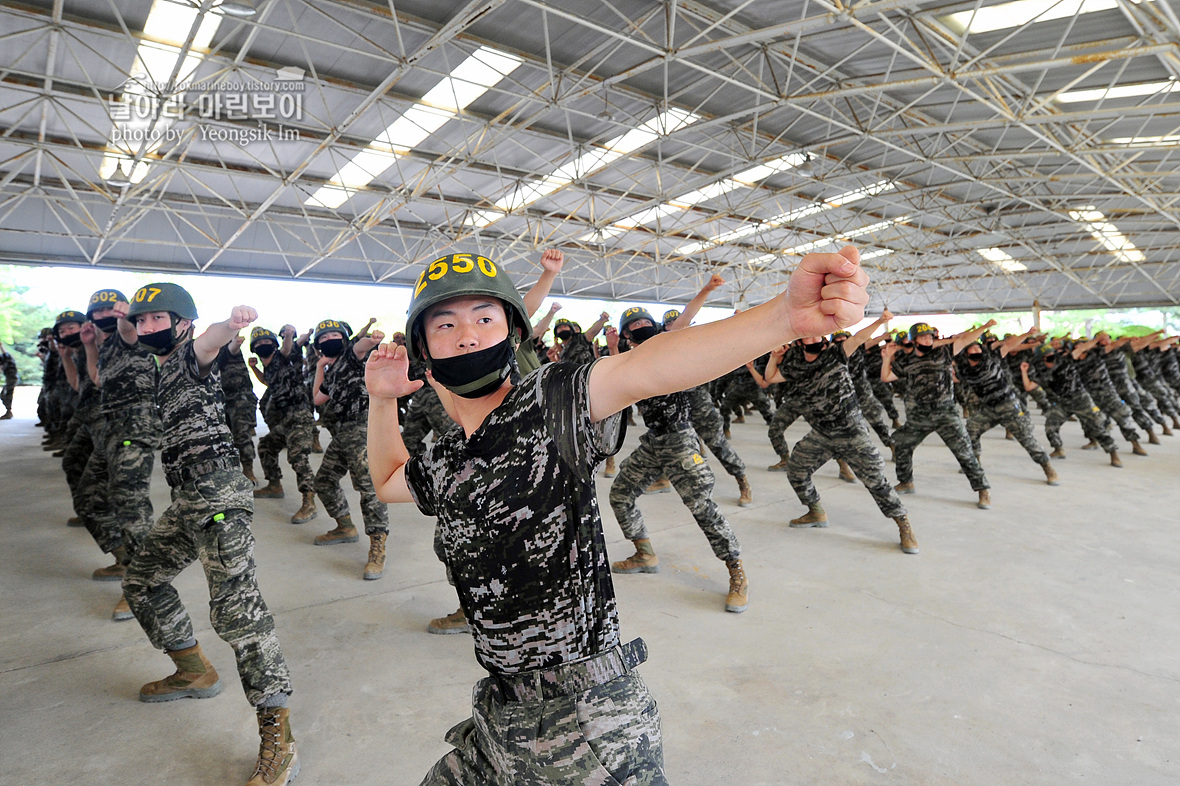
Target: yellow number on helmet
column 421, row 283
column 154, row 292
column 486, row 266
column 462, row 263
column 437, row 269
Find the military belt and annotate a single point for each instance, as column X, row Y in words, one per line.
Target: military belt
column 194, row 471
column 572, row 678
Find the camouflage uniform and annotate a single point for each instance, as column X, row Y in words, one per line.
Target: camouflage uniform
column 873, row 410
column 85, row 465
column 1147, row 374
column 8, row 367
column 1064, row 383
column 562, row 704
column 1145, row 415
column 1100, row 386
column 787, row 413
column 881, row 390
column 577, row 349
column 290, row 421
column 348, row 402
column 209, row 519
column 128, row 375
column 1169, row 368
column 425, row 414
column 241, row 403
column 706, row 421
column 930, row 406
column 997, row 403
column 824, row 391
column 669, row 448
column 742, row 390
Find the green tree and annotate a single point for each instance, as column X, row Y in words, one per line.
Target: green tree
column 20, row 324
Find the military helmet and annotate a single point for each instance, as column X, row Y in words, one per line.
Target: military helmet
column 562, row 322
column 260, row 333
column 920, row 329
column 1045, row 349
column 163, row 297
column 104, row 298
column 457, row 275
column 332, row 325
column 671, row 315
column 841, row 334
column 634, row 314
column 69, row 315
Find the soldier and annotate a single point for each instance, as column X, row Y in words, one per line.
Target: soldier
column 1096, row 378
column 741, row 391
column 573, row 345
column 816, row 376
column 881, row 390
column 290, row 418
column 11, row 379
column 982, row 369
column 241, row 403
column 1145, row 360
column 930, row 404
column 62, row 397
column 873, row 410
column 209, row 519
column 1116, row 366
column 561, row 703
column 340, row 388
column 1057, row 371
column 669, row 446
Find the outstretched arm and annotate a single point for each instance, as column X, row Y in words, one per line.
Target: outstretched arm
column 362, row 346
column 887, row 355
column 1140, row 343
column 594, row 330
column 1008, row 345
column 542, row 327
column 694, row 306
column 217, row 335
column 363, row 332
column 1083, row 348
column 827, row 292
column 551, row 261
column 971, row 336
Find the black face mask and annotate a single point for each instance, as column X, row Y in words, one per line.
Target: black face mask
column 73, row 342
column 265, row 350
column 106, row 324
column 921, row 350
column 973, row 357
column 478, row 373
column 814, row 349
column 641, row 334
column 159, row 343
column 331, row 347
column 564, row 335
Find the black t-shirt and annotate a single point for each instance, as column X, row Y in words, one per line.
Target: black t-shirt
column 193, row 410
column 822, row 389
column 344, row 385
column 988, row 378
column 520, row 526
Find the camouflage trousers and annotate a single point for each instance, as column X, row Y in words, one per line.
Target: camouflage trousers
column 675, row 456
column 739, row 394
column 1165, row 397
column 130, row 457
column 884, row 395
column 424, row 414
column 349, row 453
column 1011, row 416
column 948, row 423
column 209, row 520
column 857, row 448
column 1115, row 410
column 6, row 394
column 784, row 416
column 91, row 492
column 706, row 421
column 77, row 453
column 1146, row 416
column 606, row 735
column 293, row 433
column 874, row 413
column 1088, row 415
column 242, row 415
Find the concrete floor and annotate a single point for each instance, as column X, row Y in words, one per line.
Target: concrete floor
column 1035, row 643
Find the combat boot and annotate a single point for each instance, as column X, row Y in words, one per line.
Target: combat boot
column 375, row 568
column 739, row 588
column 644, row 560
column 985, row 499
column 610, row 470
column 1115, row 461
column 195, row 678
column 74, row 521
column 741, row 418
column 1091, row 445
column 661, row 486
column 272, row 490
column 1152, row 439
column 307, row 510
column 1137, row 449
column 1008, row 434
column 1050, row 474
column 814, row 517
column 248, row 471
column 904, row 488
column 278, row 762
column 112, row 572
column 845, row 471
column 909, row 544
column 1166, row 431
column 7, row 415
column 1057, row 453
column 344, row 533
column 781, row 466
column 1175, row 422
column 896, row 424
column 452, row 623
column 122, row 610
column 729, row 434
column 747, row 494
column 315, row 444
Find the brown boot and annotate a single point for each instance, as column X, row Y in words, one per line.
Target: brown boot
column 112, row 572
column 1115, row 461
column 609, row 470
column 344, row 533
column 985, row 499
column 904, row 488
column 1050, row 473
column 814, row 517
column 278, row 762
column 272, row 490
column 742, row 419
column 644, row 560
column 195, row 678
column 845, row 471
column 375, row 568
column 781, row 466
column 1057, row 453
column 1008, row 434
column 1152, row 439
column 1165, row 429
column 896, row 424
column 1137, row 449
column 122, row 610
column 307, row 510
column 661, row 486
column 908, row 543
column 729, row 434
column 747, row 494
column 315, row 444
column 74, row 521
column 739, row 588
column 452, row 623
column 1091, row 445
column 1175, row 422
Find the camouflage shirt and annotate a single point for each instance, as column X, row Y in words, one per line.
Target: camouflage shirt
column 89, row 403
column 665, row 414
column 928, row 376
column 284, row 380
column 1093, row 369
column 128, row 374
column 235, row 375
column 822, row 389
column 577, row 349
column 344, row 385
column 1145, row 366
column 520, row 526
column 1170, row 366
column 1063, row 380
column 192, row 408
column 8, row 367
column 988, row 378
